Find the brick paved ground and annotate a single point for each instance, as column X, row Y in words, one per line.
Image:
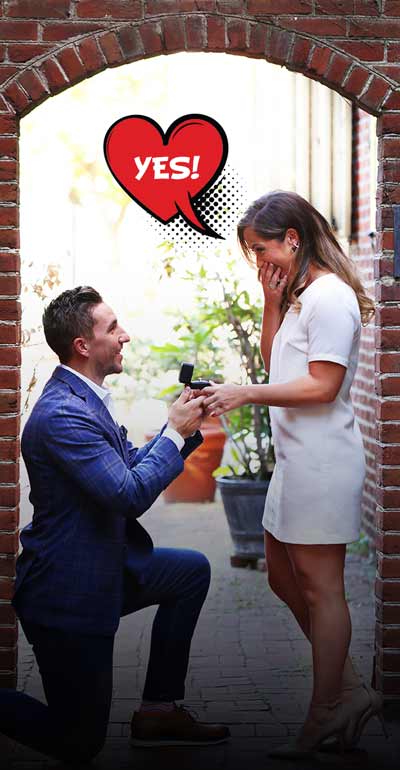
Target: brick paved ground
column 250, row 665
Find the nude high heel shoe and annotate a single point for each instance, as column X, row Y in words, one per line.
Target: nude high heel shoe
column 361, row 704
column 324, row 721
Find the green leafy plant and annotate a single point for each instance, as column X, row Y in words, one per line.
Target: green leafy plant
column 197, row 343
column 248, row 428
column 361, row 546
column 222, row 335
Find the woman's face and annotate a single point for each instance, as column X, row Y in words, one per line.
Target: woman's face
column 278, row 253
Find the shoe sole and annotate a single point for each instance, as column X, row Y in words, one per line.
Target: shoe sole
column 292, row 754
column 138, row 743
column 335, row 747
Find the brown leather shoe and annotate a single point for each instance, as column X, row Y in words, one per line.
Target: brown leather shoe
column 174, row 728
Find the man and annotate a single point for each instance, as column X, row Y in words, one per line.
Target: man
column 86, row 560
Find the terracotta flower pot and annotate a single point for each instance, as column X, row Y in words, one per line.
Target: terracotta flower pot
column 196, row 484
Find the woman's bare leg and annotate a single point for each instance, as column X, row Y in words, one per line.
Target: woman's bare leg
column 283, row 582
column 319, row 575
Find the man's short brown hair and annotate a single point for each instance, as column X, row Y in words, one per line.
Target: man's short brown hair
column 68, row 316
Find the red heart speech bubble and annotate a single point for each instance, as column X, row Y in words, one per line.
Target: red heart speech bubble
column 164, row 173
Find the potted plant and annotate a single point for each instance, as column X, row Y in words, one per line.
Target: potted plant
column 227, row 319
column 243, row 480
column 195, row 342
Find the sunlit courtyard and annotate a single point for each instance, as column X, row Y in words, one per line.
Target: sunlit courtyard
column 95, row 234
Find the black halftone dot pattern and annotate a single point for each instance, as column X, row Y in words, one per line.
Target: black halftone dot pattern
column 220, row 208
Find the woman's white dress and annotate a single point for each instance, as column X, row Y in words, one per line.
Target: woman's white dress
column 315, row 492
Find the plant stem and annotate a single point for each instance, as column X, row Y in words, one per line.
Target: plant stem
column 243, row 458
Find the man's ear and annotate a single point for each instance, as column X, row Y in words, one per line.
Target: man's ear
column 80, row 346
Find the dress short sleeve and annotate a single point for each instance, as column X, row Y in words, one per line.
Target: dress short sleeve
column 333, row 322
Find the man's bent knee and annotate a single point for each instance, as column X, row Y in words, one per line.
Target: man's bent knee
column 199, row 568
column 197, row 562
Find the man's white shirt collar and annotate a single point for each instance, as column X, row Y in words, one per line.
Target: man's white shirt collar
column 103, row 393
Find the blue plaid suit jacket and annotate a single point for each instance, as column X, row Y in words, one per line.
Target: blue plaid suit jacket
column 89, row 485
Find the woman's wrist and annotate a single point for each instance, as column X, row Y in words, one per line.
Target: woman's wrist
column 271, row 310
column 247, row 391
column 257, row 394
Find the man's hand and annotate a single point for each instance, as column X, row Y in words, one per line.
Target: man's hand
column 186, row 413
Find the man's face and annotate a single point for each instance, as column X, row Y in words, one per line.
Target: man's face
column 104, row 349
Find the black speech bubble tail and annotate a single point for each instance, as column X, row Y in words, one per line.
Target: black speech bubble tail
column 191, row 218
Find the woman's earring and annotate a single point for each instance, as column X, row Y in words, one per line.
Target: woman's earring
column 295, row 247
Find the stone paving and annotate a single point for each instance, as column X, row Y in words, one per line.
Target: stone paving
column 250, row 665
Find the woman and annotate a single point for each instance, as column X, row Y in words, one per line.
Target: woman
column 314, row 306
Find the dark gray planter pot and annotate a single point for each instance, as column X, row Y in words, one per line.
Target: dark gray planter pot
column 244, row 501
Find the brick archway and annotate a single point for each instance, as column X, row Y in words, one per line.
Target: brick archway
column 63, row 63
column 49, row 46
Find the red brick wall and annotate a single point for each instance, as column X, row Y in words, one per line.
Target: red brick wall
column 387, row 382
column 352, row 46
column 362, row 250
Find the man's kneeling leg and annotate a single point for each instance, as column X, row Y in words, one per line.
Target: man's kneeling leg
column 76, row 672
column 177, row 580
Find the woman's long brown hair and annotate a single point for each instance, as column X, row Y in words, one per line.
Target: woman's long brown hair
column 272, row 215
